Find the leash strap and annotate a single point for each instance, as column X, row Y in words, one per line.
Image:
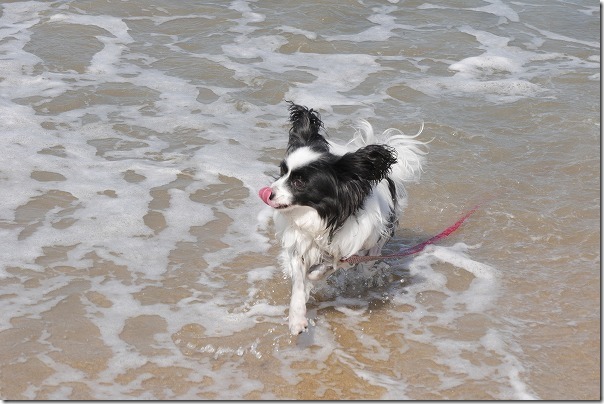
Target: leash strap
column 356, row 259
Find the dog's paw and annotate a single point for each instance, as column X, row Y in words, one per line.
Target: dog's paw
column 316, row 272
column 320, row 271
column 298, row 326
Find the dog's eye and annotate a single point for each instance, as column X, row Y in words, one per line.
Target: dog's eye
column 297, row 183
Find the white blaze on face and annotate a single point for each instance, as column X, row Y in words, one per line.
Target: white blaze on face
column 300, row 157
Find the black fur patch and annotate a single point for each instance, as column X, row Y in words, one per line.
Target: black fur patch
column 306, row 124
column 335, row 186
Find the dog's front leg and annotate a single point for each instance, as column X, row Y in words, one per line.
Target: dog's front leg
column 297, row 306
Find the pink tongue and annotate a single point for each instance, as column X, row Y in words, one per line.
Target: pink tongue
column 265, row 194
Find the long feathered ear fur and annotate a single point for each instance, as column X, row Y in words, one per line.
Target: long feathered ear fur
column 357, row 173
column 306, row 124
column 368, row 164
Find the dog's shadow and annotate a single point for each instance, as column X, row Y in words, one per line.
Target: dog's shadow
column 369, row 285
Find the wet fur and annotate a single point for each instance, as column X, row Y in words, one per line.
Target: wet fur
column 333, row 201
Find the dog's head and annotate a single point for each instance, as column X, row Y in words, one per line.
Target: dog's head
column 311, row 176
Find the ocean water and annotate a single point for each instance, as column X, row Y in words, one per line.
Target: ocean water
column 137, row 261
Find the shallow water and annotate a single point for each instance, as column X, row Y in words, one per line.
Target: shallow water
column 139, row 263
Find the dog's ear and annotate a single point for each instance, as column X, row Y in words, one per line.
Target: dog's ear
column 306, row 124
column 356, row 173
column 369, row 164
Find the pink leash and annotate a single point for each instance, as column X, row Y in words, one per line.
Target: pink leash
column 355, row 259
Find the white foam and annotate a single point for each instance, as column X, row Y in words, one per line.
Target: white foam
column 455, row 256
column 499, row 9
column 293, row 30
column 496, row 7
column 486, row 64
column 261, row 274
column 564, row 38
column 493, row 341
column 502, row 73
column 383, row 29
column 59, row 122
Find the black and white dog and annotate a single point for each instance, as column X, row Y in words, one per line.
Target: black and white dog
column 333, row 201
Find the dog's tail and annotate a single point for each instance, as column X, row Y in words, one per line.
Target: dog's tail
column 410, row 151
